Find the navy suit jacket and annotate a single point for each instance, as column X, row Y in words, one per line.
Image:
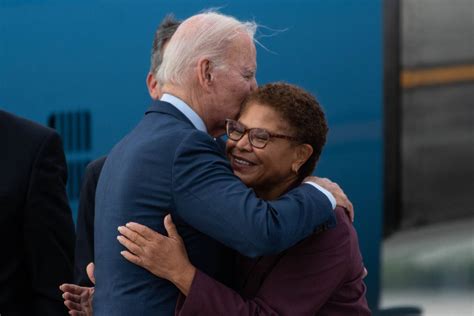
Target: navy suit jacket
column 167, row 166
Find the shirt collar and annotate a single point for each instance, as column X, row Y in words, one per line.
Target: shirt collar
column 186, row 110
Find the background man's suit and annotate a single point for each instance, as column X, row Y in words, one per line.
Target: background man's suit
column 36, row 226
column 166, row 165
column 85, row 222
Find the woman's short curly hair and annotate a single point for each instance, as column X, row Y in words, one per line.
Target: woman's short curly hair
column 301, row 111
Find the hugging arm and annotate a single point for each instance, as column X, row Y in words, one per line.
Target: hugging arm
column 211, row 199
column 299, row 283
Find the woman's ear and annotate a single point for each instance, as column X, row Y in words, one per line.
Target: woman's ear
column 302, row 154
column 205, row 75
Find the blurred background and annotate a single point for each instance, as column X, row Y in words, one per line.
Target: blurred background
column 396, row 79
column 428, row 255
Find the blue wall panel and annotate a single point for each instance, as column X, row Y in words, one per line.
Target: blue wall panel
column 58, row 56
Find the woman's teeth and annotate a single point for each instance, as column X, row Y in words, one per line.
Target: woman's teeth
column 242, row 162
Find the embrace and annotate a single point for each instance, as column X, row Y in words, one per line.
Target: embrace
column 204, row 230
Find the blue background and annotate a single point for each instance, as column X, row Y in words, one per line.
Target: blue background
column 94, row 56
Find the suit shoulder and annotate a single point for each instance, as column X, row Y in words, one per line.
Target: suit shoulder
column 20, row 127
column 198, row 138
column 95, row 166
column 200, row 144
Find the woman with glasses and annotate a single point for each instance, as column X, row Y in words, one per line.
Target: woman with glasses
column 272, row 147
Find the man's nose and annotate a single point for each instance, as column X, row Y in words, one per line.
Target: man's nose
column 253, row 85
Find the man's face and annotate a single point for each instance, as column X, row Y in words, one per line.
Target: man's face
column 235, row 81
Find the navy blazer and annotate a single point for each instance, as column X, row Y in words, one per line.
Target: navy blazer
column 164, row 165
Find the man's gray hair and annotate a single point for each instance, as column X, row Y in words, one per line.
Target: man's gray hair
column 163, row 34
column 206, row 35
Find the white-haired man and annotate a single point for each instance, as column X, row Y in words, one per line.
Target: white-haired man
column 171, row 163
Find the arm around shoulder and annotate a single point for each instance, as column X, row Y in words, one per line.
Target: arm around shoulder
column 211, row 199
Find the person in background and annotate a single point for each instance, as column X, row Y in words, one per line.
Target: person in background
column 36, row 226
column 273, row 146
column 85, row 217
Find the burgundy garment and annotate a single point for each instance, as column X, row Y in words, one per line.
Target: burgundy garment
column 322, row 275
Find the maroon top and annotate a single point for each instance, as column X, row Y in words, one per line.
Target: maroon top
column 320, row 275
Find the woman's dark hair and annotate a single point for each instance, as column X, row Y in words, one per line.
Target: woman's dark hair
column 301, row 111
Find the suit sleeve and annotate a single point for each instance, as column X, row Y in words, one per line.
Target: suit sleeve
column 211, row 199
column 49, row 229
column 300, row 284
column 85, row 223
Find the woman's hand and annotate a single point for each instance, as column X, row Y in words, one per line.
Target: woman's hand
column 79, row 298
column 165, row 257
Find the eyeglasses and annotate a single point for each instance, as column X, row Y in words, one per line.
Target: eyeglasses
column 258, row 137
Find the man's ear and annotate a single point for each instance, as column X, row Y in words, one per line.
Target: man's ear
column 153, row 86
column 205, row 75
column 302, row 154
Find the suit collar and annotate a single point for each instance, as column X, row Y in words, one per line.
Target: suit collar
column 187, row 110
column 167, row 108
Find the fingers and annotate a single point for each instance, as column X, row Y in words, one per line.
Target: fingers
column 68, row 296
column 132, row 235
column 145, row 232
column 171, row 227
column 73, row 306
column 352, row 213
column 130, row 245
column 73, row 289
column 343, row 201
column 133, row 258
column 349, row 210
column 90, row 272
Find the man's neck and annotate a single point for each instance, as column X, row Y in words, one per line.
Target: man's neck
column 193, row 101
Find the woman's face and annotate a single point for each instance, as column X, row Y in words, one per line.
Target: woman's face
column 269, row 169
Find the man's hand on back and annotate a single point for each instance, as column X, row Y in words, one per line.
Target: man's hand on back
column 341, row 198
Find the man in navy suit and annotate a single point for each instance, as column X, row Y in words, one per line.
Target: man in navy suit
column 171, row 163
column 85, row 217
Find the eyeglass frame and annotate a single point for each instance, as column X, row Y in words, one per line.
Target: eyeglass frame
column 248, row 130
